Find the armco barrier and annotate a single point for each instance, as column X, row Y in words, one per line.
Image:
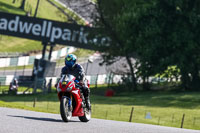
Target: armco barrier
column 29, row 60
column 13, row 61
column 101, row 79
column 3, row 80
column 93, row 79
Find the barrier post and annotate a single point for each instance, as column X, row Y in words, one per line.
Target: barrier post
column 131, row 114
column 182, row 122
column 34, row 103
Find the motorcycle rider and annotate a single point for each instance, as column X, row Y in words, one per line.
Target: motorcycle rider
column 71, row 67
column 14, row 85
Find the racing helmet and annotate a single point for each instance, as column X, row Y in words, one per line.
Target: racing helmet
column 70, row 60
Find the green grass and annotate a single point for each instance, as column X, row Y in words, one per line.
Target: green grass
column 95, row 1
column 166, row 108
column 71, row 14
column 17, row 67
column 7, row 6
column 83, row 53
column 4, row 90
column 46, row 11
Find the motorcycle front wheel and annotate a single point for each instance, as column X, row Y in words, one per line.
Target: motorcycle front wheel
column 86, row 117
column 65, row 111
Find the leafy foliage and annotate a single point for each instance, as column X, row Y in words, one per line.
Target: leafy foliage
column 161, row 33
column 176, row 39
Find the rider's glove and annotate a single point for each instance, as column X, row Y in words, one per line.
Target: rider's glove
column 76, row 81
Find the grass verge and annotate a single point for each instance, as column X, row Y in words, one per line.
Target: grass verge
column 166, row 108
column 16, row 67
column 46, row 11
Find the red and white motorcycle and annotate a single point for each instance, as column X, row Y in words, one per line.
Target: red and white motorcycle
column 72, row 102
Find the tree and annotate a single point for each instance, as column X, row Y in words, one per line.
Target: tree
column 161, row 33
column 113, row 16
column 172, row 31
column 120, row 20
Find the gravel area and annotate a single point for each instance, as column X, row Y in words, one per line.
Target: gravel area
column 85, row 8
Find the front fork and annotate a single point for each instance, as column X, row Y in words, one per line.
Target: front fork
column 70, row 102
column 60, row 95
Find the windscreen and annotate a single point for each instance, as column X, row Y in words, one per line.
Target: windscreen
column 67, row 77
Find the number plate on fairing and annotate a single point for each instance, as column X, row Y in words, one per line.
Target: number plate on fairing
column 64, row 83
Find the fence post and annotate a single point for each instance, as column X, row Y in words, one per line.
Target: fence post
column 4, row 69
column 48, row 105
column 16, row 66
column 172, row 118
column 120, row 111
column 96, row 81
column 34, row 103
column 131, row 114
column 24, row 68
column 109, row 80
column 1, row 88
column 182, row 122
column 93, row 108
column 107, row 114
column 159, row 120
column 194, row 121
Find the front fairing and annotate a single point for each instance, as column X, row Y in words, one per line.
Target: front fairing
column 66, row 83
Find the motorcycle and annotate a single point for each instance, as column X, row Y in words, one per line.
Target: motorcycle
column 72, row 102
column 13, row 88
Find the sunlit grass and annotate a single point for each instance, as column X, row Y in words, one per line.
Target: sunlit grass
column 166, row 108
column 46, row 11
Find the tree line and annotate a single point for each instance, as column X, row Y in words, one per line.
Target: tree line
column 163, row 36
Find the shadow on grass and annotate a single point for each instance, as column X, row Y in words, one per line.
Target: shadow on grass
column 152, row 99
column 51, row 97
column 8, row 8
column 148, row 98
column 40, row 119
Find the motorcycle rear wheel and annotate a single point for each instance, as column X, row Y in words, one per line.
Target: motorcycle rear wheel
column 86, row 117
column 65, row 111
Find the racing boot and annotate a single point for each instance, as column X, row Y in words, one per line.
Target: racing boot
column 87, row 101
